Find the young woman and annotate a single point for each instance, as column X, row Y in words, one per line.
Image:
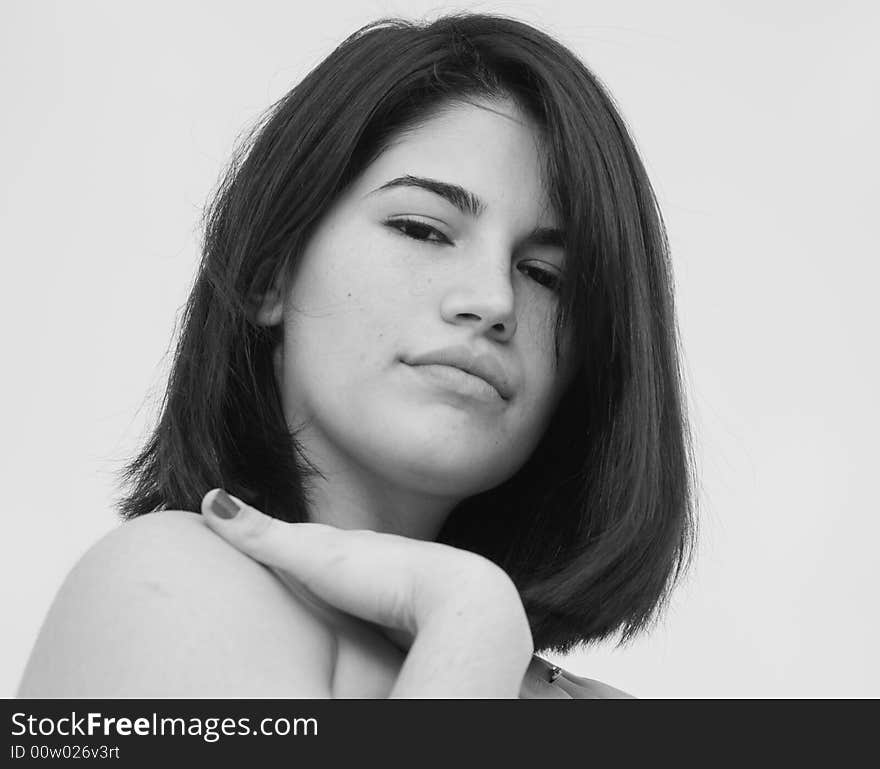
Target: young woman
column 427, row 388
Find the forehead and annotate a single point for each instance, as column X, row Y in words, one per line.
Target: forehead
column 489, row 147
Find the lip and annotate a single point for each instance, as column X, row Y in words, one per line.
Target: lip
column 484, row 366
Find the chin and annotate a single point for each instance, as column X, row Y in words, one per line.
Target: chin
column 448, row 472
column 443, row 452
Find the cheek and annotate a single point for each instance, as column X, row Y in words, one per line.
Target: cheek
column 344, row 325
column 537, row 332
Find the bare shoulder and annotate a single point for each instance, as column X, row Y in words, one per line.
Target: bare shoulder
column 163, row 607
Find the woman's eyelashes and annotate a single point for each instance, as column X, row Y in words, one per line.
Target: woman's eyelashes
column 549, row 279
column 417, row 230
column 420, row 231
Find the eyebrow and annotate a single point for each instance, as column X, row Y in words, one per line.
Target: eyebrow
column 464, row 200
column 471, row 205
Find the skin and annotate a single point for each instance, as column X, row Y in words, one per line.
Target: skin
column 397, row 449
column 399, row 446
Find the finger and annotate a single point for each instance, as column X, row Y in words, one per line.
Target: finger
column 359, row 572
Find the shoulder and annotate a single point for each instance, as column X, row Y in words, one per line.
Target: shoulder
column 163, row 607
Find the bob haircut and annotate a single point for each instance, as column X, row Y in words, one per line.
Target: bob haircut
column 599, row 524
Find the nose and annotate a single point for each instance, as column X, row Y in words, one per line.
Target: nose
column 484, row 300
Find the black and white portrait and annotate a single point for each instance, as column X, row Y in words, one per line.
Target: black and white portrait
column 379, row 350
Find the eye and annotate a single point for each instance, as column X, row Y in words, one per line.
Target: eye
column 549, row 279
column 418, row 231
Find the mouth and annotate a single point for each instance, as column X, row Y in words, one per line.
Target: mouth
column 482, row 366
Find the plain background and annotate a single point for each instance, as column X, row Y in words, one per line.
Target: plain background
column 758, row 122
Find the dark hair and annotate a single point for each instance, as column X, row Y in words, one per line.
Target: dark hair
column 599, row 524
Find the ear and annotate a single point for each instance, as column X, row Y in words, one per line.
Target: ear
column 270, row 308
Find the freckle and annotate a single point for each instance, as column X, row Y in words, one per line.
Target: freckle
column 349, row 295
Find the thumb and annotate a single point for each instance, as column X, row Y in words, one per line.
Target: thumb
column 291, row 546
column 359, row 572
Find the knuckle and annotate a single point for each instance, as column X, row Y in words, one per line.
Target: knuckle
column 455, row 575
column 472, row 567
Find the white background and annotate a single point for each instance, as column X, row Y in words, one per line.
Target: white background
column 758, row 122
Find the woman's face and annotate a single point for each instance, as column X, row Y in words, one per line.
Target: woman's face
column 419, row 328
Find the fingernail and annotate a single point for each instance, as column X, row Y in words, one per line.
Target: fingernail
column 224, row 506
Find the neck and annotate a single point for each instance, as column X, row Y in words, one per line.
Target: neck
column 345, row 495
column 348, row 496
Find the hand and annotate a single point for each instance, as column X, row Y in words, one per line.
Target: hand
column 469, row 630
